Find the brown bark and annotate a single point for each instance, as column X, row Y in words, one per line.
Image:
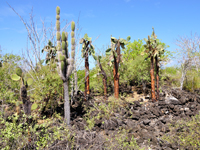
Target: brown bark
column 157, row 77
column 115, row 71
column 87, row 86
column 153, row 96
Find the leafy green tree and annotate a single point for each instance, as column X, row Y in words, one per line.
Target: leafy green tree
column 134, row 66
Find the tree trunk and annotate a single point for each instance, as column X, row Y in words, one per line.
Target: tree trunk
column 66, row 103
column 87, row 86
column 153, row 96
column 157, row 77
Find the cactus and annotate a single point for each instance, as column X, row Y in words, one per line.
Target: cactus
column 87, row 49
column 23, row 89
column 114, row 52
column 154, row 49
column 65, row 63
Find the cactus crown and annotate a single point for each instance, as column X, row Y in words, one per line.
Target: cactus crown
column 152, row 46
column 87, row 41
column 58, row 10
column 114, row 42
column 19, row 75
column 65, row 63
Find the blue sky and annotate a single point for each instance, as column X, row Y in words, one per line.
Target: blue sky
column 103, row 18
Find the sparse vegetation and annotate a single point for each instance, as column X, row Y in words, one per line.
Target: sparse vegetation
column 126, row 119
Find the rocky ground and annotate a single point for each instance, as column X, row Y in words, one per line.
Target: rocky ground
column 141, row 120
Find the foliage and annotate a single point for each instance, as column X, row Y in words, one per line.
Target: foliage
column 15, row 134
column 9, row 89
column 136, row 70
column 48, row 91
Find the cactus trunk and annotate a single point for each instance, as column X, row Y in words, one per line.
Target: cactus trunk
column 116, row 80
column 25, row 99
column 66, row 103
column 115, row 71
column 87, row 86
column 157, row 77
column 152, row 80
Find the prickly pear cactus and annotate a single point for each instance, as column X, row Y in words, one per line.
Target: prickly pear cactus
column 23, row 89
column 115, row 56
column 87, row 49
column 20, row 76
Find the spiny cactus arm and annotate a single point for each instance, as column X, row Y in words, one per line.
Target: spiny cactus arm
column 61, row 57
column 70, row 61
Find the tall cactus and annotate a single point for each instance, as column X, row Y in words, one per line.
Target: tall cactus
column 87, row 49
column 114, row 51
column 65, row 63
column 154, row 50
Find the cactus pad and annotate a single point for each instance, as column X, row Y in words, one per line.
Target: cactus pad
column 18, row 71
column 63, row 36
column 34, row 106
column 57, row 17
column 62, row 65
column 72, row 34
column 29, row 81
column 63, row 45
column 58, row 10
column 58, row 35
column 62, row 58
column 15, row 77
column 58, row 25
column 73, row 25
column 73, row 41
